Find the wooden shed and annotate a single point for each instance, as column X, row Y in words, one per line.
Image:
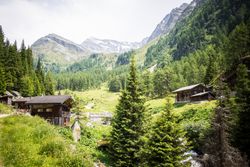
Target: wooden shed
column 54, row 109
column 6, row 98
column 197, row 92
column 183, row 94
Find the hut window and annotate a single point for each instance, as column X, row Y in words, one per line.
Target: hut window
column 48, row 109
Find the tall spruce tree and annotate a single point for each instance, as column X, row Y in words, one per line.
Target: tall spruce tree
column 242, row 132
column 127, row 125
column 219, row 137
column 49, row 84
column 147, row 84
column 165, row 142
column 40, row 75
column 2, row 80
column 1, row 45
column 26, row 86
column 37, row 85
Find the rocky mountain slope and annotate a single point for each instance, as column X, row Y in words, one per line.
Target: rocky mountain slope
column 58, row 50
column 169, row 21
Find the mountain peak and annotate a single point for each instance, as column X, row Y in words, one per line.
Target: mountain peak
column 96, row 45
column 56, row 49
column 169, row 21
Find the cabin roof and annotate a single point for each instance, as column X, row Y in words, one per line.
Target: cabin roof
column 200, row 94
column 7, row 94
column 16, row 93
column 23, row 99
column 187, row 88
column 59, row 99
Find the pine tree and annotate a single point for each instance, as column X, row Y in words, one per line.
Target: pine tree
column 29, row 59
column 242, row 136
column 26, row 86
column 9, row 81
column 40, row 75
column 1, row 45
column 114, row 85
column 148, row 84
column 37, row 86
column 2, row 80
column 49, row 85
column 127, row 125
column 239, row 45
column 210, row 71
column 17, row 66
column 162, row 81
column 219, row 137
column 166, row 142
column 23, row 53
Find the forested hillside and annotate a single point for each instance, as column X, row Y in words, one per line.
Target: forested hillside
column 203, row 46
column 17, row 70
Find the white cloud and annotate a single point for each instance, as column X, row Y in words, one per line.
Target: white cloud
column 124, row 20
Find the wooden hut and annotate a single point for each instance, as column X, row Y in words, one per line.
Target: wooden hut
column 197, row 92
column 54, row 109
column 6, row 98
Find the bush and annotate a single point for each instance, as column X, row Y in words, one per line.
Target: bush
column 196, row 121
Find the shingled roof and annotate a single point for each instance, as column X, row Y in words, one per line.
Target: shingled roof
column 23, row 99
column 187, row 88
column 60, row 99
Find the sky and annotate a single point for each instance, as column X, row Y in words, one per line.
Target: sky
column 76, row 20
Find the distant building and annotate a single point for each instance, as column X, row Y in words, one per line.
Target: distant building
column 6, row 98
column 192, row 93
column 54, row 109
column 103, row 117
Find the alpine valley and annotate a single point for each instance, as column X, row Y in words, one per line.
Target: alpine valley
column 179, row 97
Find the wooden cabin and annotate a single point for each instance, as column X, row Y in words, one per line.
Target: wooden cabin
column 20, row 104
column 54, row 109
column 198, row 92
column 6, row 98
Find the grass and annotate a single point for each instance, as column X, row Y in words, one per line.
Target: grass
column 103, row 100
column 180, row 108
column 5, row 109
column 31, row 141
